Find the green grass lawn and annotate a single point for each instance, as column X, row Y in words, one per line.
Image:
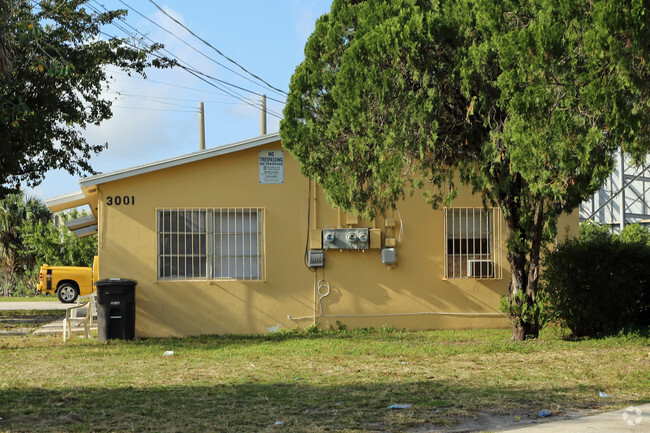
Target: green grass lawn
column 333, row 381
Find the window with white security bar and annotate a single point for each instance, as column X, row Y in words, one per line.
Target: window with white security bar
column 211, row 244
column 473, row 243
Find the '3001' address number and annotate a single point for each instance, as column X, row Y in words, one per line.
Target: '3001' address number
column 119, row 200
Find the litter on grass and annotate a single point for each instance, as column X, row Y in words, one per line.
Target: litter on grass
column 545, row 413
column 400, row 406
column 602, row 394
column 279, row 423
column 168, row 353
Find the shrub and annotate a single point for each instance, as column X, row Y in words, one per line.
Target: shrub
column 599, row 283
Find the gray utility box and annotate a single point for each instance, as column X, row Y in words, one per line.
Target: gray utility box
column 388, row 256
column 346, row 239
column 315, row 258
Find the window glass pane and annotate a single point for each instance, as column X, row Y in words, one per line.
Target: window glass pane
column 174, row 221
column 165, row 244
column 181, row 268
column 218, row 272
column 188, row 267
column 182, row 240
column 196, row 244
column 195, row 265
column 170, row 264
column 167, row 221
column 161, row 267
column 255, row 267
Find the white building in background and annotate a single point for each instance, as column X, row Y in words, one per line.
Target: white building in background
column 623, row 198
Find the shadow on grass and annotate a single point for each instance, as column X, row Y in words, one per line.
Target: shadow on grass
column 256, row 407
column 488, row 340
column 622, row 334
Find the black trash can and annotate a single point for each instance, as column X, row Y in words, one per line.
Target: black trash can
column 115, row 309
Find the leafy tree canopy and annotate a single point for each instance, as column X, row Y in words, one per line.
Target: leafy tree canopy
column 52, row 74
column 16, row 211
column 524, row 101
column 55, row 244
column 29, row 238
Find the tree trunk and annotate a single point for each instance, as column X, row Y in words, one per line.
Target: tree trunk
column 524, row 267
column 533, row 268
column 11, row 266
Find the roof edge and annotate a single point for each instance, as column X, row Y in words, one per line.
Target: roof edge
column 178, row 160
column 66, row 201
column 81, row 222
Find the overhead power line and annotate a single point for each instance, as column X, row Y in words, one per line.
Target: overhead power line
column 245, row 100
column 192, row 70
column 188, row 68
column 170, row 84
column 199, row 51
column 198, row 74
column 215, row 49
column 153, row 98
column 156, row 109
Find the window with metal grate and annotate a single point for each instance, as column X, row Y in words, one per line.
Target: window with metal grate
column 211, row 243
column 473, row 243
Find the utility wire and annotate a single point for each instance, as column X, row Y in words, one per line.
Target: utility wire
column 216, row 86
column 156, row 109
column 215, row 49
column 233, row 94
column 169, row 84
column 232, row 85
column 150, row 99
column 199, row 51
column 197, row 74
column 130, row 95
column 195, row 71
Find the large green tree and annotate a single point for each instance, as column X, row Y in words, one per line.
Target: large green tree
column 16, row 211
column 29, row 238
column 52, row 74
column 523, row 100
column 55, row 244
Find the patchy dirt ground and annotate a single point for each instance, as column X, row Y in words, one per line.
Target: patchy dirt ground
column 23, row 323
column 490, row 422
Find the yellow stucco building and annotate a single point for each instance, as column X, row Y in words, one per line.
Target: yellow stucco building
column 235, row 239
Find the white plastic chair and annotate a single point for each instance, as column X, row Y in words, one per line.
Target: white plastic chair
column 74, row 316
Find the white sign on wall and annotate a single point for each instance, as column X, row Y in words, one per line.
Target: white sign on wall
column 271, row 166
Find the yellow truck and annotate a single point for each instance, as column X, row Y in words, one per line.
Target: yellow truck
column 68, row 282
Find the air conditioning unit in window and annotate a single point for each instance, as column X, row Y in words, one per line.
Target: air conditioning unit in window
column 480, row 268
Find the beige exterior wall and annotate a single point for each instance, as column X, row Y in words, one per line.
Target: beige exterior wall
column 362, row 291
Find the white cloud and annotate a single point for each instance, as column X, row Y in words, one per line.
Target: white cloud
column 145, row 126
column 306, row 19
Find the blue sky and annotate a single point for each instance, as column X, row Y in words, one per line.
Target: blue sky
column 158, row 118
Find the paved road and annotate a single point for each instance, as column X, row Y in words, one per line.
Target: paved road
column 41, row 305
column 631, row 419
